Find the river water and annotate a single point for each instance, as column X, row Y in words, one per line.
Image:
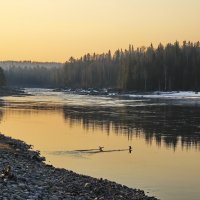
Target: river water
column 164, row 134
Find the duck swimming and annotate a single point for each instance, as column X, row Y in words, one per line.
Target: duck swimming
column 101, row 148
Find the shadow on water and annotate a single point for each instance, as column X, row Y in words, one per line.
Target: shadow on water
column 86, row 152
column 168, row 124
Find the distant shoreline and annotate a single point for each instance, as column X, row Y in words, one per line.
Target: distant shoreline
column 11, row 91
column 25, row 176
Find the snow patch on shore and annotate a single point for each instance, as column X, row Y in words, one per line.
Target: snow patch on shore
column 169, row 95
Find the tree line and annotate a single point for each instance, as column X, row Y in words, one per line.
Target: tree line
column 2, row 78
column 169, row 67
column 38, row 76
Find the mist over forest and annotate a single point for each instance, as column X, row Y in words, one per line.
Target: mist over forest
column 171, row 67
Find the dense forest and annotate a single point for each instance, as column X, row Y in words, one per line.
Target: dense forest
column 31, row 74
column 2, row 78
column 169, row 67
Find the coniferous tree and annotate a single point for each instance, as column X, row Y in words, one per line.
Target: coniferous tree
column 2, row 77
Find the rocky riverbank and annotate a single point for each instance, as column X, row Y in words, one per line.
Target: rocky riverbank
column 24, row 175
column 9, row 91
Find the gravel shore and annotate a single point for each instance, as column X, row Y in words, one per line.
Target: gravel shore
column 24, row 175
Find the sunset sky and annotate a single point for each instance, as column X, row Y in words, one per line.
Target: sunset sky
column 54, row 30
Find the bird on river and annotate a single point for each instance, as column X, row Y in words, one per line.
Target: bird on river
column 130, row 149
column 101, row 148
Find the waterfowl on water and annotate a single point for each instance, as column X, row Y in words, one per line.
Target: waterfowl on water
column 130, row 149
column 101, row 148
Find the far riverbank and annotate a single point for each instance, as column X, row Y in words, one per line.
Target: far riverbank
column 11, row 91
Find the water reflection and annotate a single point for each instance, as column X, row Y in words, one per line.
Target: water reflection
column 88, row 152
column 166, row 124
column 153, row 129
column 169, row 123
column 1, row 115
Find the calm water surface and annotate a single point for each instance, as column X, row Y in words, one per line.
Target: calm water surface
column 164, row 134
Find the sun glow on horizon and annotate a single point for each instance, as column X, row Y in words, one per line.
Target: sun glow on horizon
column 50, row 30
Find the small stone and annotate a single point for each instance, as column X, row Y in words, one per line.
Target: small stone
column 87, row 185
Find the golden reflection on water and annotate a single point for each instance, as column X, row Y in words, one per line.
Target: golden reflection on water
column 158, row 170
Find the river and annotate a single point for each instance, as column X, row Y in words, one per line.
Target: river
column 164, row 134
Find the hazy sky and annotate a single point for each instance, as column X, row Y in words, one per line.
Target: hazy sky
column 53, row 30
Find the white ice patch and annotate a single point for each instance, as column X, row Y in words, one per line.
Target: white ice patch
column 169, row 95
